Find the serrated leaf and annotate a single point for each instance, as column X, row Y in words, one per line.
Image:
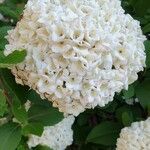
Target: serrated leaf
column 10, row 136
column 13, row 58
column 3, row 104
column 46, row 115
column 105, row 133
column 33, row 128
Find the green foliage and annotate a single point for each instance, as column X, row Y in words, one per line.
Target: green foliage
column 96, row 129
column 13, row 58
column 40, row 147
column 3, row 104
column 143, row 93
column 10, row 136
column 105, row 133
column 44, row 115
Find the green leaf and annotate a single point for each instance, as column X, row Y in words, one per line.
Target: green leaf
column 33, row 128
column 15, row 91
column 141, row 7
column 147, row 49
column 127, row 118
column 143, row 93
column 36, row 99
column 41, row 147
column 129, row 93
column 146, row 29
column 105, row 133
column 7, row 11
column 3, row 31
column 46, row 115
column 19, row 112
column 13, row 58
column 3, row 105
column 10, row 136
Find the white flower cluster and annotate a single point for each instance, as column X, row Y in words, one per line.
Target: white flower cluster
column 80, row 52
column 136, row 137
column 57, row 137
column 2, row 1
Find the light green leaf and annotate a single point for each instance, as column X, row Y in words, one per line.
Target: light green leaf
column 46, row 115
column 105, row 133
column 10, row 136
column 7, row 11
column 13, row 58
column 33, row 128
column 19, row 112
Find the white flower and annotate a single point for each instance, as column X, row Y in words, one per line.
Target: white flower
column 57, row 137
column 2, row 1
column 136, row 137
column 80, row 52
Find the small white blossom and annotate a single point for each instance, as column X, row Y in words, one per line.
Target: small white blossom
column 57, row 137
column 79, row 52
column 136, row 137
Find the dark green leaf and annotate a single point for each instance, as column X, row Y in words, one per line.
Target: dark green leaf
column 48, row 116
column 129, row 93
column 127, row 118
column 105, row 133
column 147, row 48
column 143, row 93
column 10, row 136
column 3, row 105
column 40, row 147
column 15, row 91
column 146, row 29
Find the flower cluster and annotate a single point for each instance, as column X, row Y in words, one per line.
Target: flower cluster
column 57, row 137
column 80, row 52
column 136, row 137
column 1, row 1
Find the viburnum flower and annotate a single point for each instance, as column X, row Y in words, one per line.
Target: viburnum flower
column 57, row 137
column 79, row 52
column 136, row 137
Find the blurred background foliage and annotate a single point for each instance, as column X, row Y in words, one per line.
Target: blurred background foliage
column 95, row 129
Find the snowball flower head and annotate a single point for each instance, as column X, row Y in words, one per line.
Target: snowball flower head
column 80, row 52
column 57, row 137
column 136, row 137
